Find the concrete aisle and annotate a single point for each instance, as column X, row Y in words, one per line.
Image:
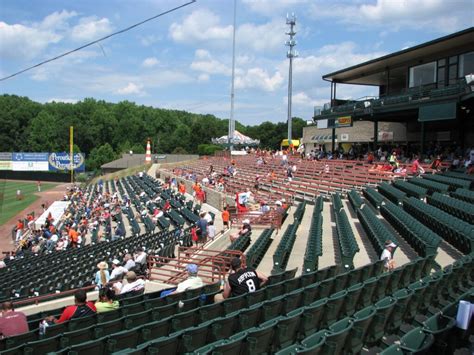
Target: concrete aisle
column 299, row 248
column 329, row 238
column 366, row 253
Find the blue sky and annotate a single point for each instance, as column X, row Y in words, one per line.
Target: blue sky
column 183, row 60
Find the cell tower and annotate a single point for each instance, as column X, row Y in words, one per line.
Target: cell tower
column 291, row 21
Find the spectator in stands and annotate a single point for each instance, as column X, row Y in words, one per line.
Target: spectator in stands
column 211, row 230
column 140, row 257
column 202, row 228
column 119, row 231
column 416, row 167
column 242, row 280
column 117, row 270
column 129, row 262
column 102, row 276
column 11, row 322
column 81, row 308
column 387, row 255
column 393, row 160
column 245, row 228
column 19, row 230
column 192, row 282
column 225, row 218
column 436, row 164
column 134, row 284
column 106, row 301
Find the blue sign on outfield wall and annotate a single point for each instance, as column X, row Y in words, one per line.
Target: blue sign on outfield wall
column 30, row 157
column 61, row 162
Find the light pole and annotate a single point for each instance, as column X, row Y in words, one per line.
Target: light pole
column 291, row 21
column 230, row 135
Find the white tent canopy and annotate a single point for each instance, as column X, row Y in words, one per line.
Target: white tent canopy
column 238, row 138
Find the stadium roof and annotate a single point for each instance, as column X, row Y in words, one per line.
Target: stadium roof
column 363, row 73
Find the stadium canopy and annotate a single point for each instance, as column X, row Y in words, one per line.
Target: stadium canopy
column 238, row 138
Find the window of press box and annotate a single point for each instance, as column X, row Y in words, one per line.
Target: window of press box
column 423, row 74
column 466, row 64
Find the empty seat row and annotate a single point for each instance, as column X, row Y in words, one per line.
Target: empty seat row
column 431, row 186
column 421, row 238
column 411, row 189
column 347, row 243
column 314, row 245
column 458, row 208
column 257, row 251
column 373, row 197
column 355, row 199
column 463, row 194
column 454, row 230
column 392, row 193
column 454, row 183
column 377, row 232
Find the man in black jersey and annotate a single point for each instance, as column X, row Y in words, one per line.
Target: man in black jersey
column 242, row 280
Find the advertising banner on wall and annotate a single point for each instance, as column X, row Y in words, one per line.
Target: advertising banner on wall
column 5, row 161
column 62, row 162
column 29, row 162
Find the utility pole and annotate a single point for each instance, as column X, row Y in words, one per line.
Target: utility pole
column 291, row 21
column 230, row 136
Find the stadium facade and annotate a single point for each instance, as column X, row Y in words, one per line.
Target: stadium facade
column 425, row 95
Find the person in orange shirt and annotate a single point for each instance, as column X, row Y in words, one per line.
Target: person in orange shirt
column 74, row 236
column 182, row 188
column 226, row 218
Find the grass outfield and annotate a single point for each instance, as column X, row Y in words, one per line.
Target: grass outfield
column 9, row 205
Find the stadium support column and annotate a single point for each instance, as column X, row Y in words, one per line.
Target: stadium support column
column 334, row 129
column 422, row 145
column 376, row 134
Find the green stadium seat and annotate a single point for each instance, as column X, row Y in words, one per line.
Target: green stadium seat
column 352, row 300
column 286, row 331
column 195, row 337
column 56, row 329
column 365, row 299
column 231, row 346
column 250, row 317
column 165, row 345
column 272, row 308
column 83, row 322
column 108, row 316
column 393, row 349
column 440, row 326
column 233, row 304
column 416, row 341
column 259, row 340
column 403, row 298
column 338, row 334
column 137, row 319
column 122, row 340
column 255, row 297
column 377, row 326
column 90, row 347
column 292, row 300
column 361, row 324
column 222, row 328
column 77, row 336
column 17, row 340
column 183, row 320
column 157, row 329
column 43, row 346
column 295, row 349
column 315, row 344
column 107, row 328
column 311, row 293
column 313, row 318
column 334, row 305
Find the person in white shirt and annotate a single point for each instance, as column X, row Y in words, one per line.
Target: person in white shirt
column 129, row 263
column 387, row 255
column 133, row 284
column 140, row 257
column 211, row 230
column 208, row 217
column 117, row 270
column 193, row 281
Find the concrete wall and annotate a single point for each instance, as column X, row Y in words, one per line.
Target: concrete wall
column 130, row 161
column 360, row 132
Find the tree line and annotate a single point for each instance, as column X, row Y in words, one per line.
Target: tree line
column 104, row 130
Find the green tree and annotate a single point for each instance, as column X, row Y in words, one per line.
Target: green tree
column 100, row 156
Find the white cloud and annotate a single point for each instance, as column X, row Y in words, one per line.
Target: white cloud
column 259, row 78
column 302, row 99
column 206, row 64
column 57, row 20
column 20, row 41
column 203, row 77
column 91, row 28
column 269, row 36
column 434, row 15
column 131, row 89
column 150, row 62
column 200, row 25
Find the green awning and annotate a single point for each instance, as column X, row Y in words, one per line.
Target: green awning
column 437, row 112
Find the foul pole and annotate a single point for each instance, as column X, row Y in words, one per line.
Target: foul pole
column 71, row 152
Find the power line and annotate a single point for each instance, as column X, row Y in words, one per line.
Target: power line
column 98, row 40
